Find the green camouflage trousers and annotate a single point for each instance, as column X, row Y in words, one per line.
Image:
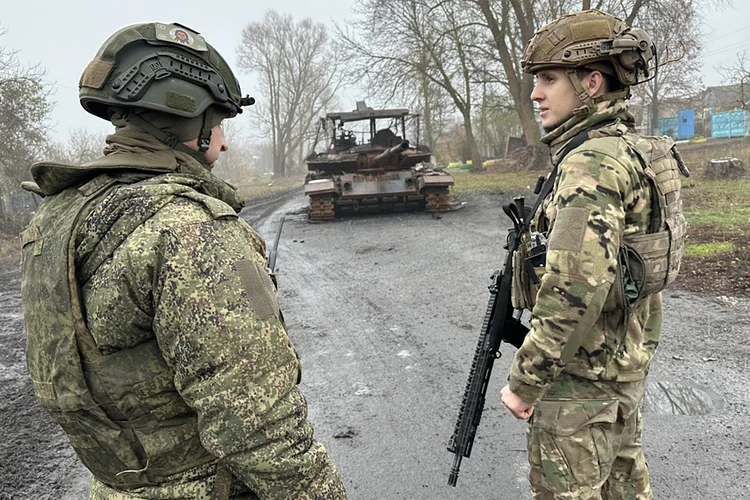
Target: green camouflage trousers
column 198, row 483
column 584, row 442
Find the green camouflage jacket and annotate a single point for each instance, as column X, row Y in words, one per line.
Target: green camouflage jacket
column 188, row 359
column 598, row 198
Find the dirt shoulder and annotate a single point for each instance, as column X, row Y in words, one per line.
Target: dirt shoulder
column 723, row 273
column 384, row 312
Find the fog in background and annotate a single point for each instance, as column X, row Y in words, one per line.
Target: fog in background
column 64, row 36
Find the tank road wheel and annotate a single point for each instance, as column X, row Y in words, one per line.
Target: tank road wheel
column 437, row 200
column 322, row 208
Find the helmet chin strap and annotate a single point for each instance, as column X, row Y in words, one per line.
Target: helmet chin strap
column 589, row 100
column 583, row 96
column 204, row 138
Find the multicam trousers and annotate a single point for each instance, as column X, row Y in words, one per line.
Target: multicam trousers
column 584, row 442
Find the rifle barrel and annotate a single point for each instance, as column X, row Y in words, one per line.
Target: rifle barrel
column 495, row 328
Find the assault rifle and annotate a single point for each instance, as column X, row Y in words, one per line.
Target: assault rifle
column 272, row 253
column 501, row 323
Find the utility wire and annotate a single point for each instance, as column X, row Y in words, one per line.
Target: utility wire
column 727, row 34
column 733, row 46
column 55, row 84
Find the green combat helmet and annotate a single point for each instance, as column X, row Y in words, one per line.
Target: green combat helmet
column 595, row 40
column 168, row 68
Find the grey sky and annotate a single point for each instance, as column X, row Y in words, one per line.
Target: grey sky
column 64, row 36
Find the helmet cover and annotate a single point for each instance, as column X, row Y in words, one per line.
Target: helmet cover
column 591, row 39
column 162, row 67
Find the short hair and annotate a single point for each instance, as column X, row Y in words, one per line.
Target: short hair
column 611, row 82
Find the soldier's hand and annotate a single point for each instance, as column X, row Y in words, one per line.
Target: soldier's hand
column 517, row 406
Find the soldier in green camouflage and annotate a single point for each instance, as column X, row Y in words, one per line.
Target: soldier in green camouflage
column 154, row 335
column 614, row 232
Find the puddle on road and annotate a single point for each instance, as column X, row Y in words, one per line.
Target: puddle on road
column 675, row 397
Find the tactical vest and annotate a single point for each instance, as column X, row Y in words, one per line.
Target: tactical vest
column 649, row 261
column 129, row 426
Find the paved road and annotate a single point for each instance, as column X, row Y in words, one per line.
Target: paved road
column 385, row 312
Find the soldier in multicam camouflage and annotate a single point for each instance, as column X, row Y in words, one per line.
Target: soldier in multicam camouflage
column 614, row 232
column 154, row 335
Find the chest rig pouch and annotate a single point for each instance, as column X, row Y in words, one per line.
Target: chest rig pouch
column 652, row 259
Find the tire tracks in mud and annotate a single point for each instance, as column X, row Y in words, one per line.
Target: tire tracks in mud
column 258, row 212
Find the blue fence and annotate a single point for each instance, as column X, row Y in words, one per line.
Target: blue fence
column 729, row 124
column 685, row 124
column 726, row 124
column 668, row 126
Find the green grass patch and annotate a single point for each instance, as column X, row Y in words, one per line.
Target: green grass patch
column 268, row 186
column 737, row 218
column 724, row 203
column 701, row 192
column 697, row 156
column 709, row 249
column 492, row 182
column 717, row 211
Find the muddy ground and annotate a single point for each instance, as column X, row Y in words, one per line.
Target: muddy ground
column 385, row 312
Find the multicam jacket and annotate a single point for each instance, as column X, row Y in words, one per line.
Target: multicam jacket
column 599, row 198
column 155, row 337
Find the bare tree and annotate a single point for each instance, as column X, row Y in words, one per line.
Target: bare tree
column 422, row 46
column 499, row 121
column 512, row 23
column 236, row 163
column 678, row 56
column 263, row 158
column 389, row 80
column 738, row 77
column 298, row 77
column 24, row 113
column 82, row 146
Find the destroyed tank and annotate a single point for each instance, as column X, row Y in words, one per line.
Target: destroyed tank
column 372, row 169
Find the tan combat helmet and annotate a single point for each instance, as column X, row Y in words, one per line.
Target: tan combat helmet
column 168, row 68
column 595, row 40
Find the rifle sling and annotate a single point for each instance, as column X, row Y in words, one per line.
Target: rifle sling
column 576, row 141
column 576, row 338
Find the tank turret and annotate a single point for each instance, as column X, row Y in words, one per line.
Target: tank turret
column 390, row 155
column 367, row 168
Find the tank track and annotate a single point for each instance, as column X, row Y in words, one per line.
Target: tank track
column 437, row 200
column 322, row 208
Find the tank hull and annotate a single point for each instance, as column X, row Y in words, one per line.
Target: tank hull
column 374, row 192
column 381, row 174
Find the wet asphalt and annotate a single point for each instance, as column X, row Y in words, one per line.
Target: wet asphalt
column 385, row 312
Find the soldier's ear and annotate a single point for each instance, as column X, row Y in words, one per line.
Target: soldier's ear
column 594, row 83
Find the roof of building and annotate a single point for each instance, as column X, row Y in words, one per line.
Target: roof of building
column 726, row 96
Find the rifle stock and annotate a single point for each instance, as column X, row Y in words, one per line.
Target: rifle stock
column 499, row 325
